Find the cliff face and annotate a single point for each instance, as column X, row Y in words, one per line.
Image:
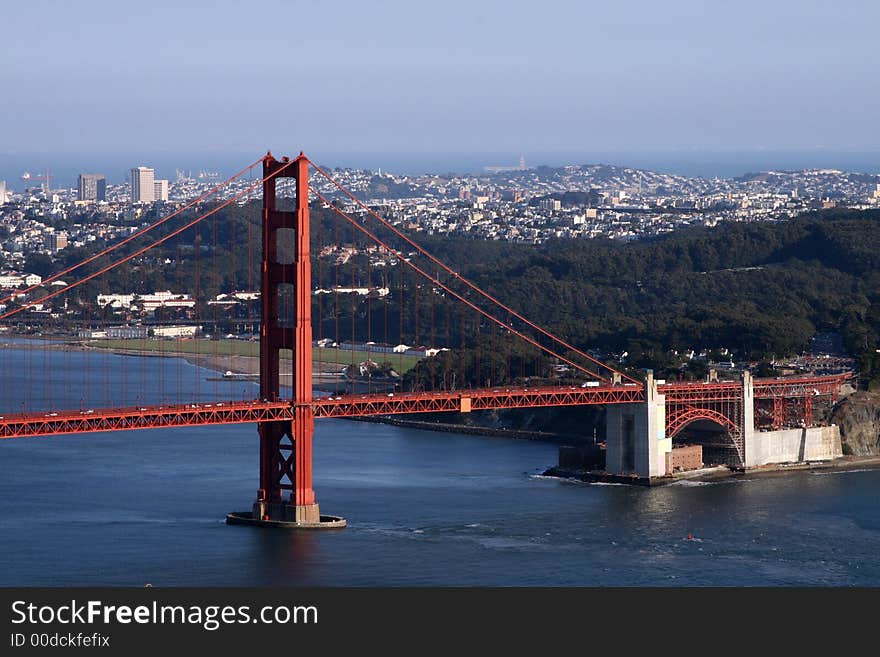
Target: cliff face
column 858, row 417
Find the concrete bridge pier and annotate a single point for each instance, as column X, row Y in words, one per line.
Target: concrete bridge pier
column 636, row 443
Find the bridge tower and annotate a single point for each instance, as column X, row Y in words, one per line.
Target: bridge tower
column 285, row 496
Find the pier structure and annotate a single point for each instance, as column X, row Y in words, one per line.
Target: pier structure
column 742, row 424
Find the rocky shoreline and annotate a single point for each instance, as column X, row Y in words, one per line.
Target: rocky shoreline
column 858, row 416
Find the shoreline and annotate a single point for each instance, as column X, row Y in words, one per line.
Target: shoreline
column 246, row 366
column 719, row 473
column 469, row 429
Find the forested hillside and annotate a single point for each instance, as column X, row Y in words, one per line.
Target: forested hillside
column 759, row 289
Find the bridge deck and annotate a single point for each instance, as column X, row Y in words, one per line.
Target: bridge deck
column 182, row 415
column 236, row 412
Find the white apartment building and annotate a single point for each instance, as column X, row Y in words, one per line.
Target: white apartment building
column 160, row 190
column 14, row 279
column 143, row 185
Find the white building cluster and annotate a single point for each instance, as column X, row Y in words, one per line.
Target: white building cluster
column 146, row 302
column 10, row 280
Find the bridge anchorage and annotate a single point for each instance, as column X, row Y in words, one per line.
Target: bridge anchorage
column 285, row 497
column 756, row 422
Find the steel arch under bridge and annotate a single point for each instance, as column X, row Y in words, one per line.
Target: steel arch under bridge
column 733, row 422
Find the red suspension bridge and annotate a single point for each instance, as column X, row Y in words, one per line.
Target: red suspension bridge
column 529, row 366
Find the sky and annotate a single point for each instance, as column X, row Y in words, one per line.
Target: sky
column 428, row 77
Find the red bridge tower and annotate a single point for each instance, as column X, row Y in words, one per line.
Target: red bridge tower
column 285, row 497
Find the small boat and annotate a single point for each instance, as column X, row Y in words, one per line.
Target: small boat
column 229, row 374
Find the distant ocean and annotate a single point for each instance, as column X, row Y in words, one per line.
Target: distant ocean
column 724, row 164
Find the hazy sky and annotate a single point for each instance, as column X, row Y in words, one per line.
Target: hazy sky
column 156, row 76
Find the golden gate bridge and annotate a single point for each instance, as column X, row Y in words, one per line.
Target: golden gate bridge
column 285, row 413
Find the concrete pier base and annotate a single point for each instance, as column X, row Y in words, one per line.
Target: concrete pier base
column 636, row 442
column 246, row 518
column 308, row 513
column 285, row 516
column 637, row 446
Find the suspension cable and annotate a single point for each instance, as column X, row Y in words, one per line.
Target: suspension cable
column 458, row 296
column 458, row 276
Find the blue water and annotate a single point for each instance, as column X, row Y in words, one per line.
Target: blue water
column 140, row 507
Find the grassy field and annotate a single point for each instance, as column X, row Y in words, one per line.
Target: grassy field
column 243, row 348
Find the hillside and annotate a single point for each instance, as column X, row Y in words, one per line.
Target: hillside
column 758, row 289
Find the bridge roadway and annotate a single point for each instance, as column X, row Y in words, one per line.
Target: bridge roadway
column 47, row 423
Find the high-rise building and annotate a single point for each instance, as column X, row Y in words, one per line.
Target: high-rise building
column 56, row 241
column 160, row 190
column 92, row 187
column 142, row 185
column 2, row 192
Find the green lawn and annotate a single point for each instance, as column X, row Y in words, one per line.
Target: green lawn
column 243, row 348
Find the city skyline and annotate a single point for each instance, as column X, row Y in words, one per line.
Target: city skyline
column 65, row 170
